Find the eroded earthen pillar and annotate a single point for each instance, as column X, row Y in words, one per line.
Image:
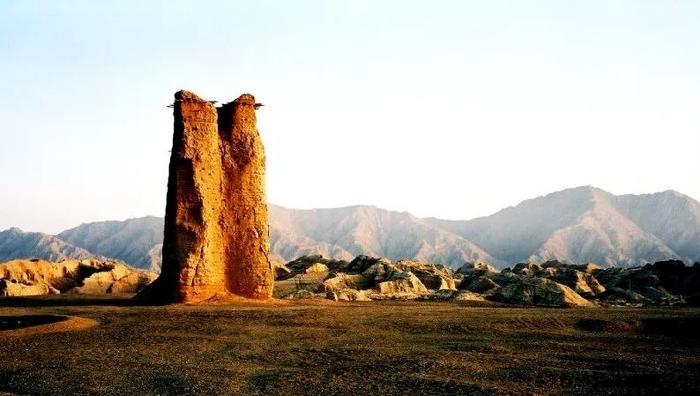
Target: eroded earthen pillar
column 216, row 239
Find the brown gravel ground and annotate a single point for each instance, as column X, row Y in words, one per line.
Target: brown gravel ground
column 325, row 348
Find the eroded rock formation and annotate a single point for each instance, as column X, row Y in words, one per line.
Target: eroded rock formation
column 216, row 238
column 87, row 276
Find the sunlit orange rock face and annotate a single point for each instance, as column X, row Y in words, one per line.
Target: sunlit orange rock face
column 216, row 239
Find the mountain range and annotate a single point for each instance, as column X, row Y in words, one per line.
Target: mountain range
column 577, row 225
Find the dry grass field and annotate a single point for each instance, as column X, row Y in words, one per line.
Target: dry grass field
column 385, row 348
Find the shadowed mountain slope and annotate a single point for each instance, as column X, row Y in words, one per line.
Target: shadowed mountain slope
column 366, row 230
column 578, row 225
column 588, row 224
column 15, row 243
column 135, row 241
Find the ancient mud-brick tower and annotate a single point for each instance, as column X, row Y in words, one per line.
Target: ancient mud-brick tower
column 216, row 228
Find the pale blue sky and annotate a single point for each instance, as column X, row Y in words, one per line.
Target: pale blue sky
column 442, row 108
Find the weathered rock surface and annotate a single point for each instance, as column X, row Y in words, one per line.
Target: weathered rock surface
column 88, row 276
column 664, row 282
column 479, row 266
column 539, row 291
column 347, row 295
column 469, row 296
column 216, row 239
column 433, row 276
column 119, row 280
column 364, row 278
column 342, row 281
column 380, row 279
column 478, row 284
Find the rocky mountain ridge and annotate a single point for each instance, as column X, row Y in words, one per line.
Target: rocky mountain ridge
column 15, row 243
column 135, row 241
column 579, row 225
column 587, row 224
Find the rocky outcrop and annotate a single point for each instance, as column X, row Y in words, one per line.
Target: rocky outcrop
column 433, row 276
column 391, row 282
column 371, row 278
column 539, row 291
column 478, row 284
column 364, row 278
column 120, row 279
column 133, row 282
column 479, row 266
column 664, row 282
column 583, row 283
column 216, row 239
column 88, row 276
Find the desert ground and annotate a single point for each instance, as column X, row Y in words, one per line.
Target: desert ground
column 345, row 348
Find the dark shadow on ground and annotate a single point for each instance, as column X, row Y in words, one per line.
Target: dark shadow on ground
column 61, row 300
column 22, row 321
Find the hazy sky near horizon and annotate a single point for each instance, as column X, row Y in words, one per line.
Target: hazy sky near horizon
column 452, row 109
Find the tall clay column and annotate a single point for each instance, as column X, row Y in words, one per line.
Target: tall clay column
column 216, row 240
column 244, row 222
column 192, row 269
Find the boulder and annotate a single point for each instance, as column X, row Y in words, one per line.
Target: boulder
column 401, row 283
column 582, row 283
column 669, row 265
column 478, row 266
column 342, row 281
column 658, row 295
column 526, row 269
column 312, row 282
column 440, row 295
column 101, row 282
column 133, row 282
column 529, row 290
column 316, row 268
column 554, row 264
column 362, row 263
column 281, row 270
column 588, row 268
column 464, row 295
column 303, row 263
column 347, row 295
column 16, row 289
column 478, row 284
column 619, row 296
column 433, row 276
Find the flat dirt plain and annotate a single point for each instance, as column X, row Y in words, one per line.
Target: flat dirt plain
column 328, row 348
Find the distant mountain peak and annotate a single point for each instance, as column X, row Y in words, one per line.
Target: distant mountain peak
column 578, row 225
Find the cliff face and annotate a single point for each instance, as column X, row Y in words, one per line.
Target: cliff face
column 216, row 238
